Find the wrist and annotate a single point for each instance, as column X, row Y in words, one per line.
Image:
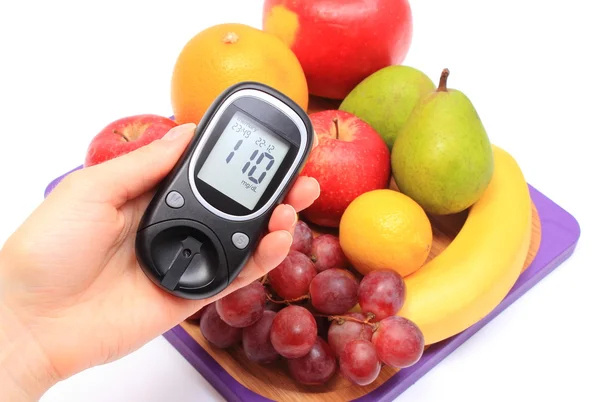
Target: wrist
column 25, row 371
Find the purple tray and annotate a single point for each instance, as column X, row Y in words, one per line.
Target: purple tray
column 560, row 233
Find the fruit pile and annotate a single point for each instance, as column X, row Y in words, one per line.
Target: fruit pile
column 313, row 311
column 359, row 288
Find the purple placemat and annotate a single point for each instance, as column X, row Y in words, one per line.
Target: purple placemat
column 560, row 233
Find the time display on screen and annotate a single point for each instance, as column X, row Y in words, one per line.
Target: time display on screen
column 244, row 160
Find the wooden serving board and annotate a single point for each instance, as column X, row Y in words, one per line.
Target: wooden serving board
column 239, row 380
column 554, row 237
column 262, row 378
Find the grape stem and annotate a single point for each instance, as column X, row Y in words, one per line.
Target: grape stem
column 341, row 318
column 289, row 301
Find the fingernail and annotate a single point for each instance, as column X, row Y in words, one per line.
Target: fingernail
column 317, row 183
column 176, row 132
column 294, row 212
column 290, row 238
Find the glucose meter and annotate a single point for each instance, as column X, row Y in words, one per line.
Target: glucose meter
column 208, row 214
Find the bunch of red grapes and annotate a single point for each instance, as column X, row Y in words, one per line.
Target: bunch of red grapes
column 301, row 312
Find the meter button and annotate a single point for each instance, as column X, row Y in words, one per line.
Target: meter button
column 240, row 240
column 174, row 199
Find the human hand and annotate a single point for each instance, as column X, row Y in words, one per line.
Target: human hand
column 73, row 295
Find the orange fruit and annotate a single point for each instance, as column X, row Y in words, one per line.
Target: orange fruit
column 385, row 229
column 224, row 55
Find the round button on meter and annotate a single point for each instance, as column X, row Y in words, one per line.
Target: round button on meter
column 175, row 200
column 210, row 211
column 240, row 240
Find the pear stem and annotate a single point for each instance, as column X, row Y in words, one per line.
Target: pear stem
column 337, row 128
column 444, row 81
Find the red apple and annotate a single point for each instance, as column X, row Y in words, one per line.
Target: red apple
column 125, row 135
column 350, row 159
column 339, row 43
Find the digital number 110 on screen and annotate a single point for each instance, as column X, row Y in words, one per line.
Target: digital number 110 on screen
column 261, row 160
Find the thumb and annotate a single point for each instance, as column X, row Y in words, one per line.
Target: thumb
column 128, row 176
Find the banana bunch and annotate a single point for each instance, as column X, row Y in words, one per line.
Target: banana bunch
column 476, row 271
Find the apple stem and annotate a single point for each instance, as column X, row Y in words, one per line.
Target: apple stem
column 121, row 134
column 443, row 87
column 337, row 128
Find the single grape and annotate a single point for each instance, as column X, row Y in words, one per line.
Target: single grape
column 340, row 334
column 256, row 340
column 316, row 367
column 303, row 238
column 359, row 362
column 327, row 253
column 382, row 293
column 399, row 342
column 292, row 277
column 216, row 331
column 244, row 306
column 294, row 331
column 334, row 291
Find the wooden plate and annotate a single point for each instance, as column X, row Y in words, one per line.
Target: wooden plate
column 274, row 382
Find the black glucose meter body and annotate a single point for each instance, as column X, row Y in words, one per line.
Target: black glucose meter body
column 210, row 211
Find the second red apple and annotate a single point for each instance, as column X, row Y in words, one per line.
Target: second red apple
column 350, row 159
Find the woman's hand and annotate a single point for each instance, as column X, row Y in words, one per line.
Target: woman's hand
column 73, row 295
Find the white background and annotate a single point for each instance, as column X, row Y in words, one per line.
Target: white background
column 530, row 67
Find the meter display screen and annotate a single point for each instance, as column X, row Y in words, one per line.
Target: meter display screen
column 244, row 160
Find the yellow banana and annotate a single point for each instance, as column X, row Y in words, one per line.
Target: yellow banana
column 476, row 271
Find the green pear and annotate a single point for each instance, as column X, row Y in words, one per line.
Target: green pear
column 386, row 98
column 442, row 157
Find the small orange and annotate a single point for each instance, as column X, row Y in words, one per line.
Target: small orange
column 226, row 54
column 385, row 229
